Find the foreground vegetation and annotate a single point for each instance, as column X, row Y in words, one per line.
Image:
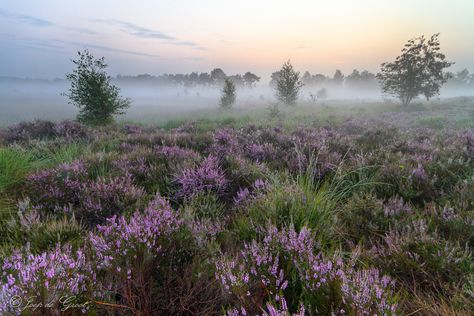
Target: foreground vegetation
column 335, row 211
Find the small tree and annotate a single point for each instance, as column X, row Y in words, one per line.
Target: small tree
column 417, row 71
column 92, row 92
column 288, row 84
column 228, row 94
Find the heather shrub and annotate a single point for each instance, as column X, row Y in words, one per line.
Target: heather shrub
column 405, row 179
column 199, row 142
column 364, row 218
column 44, row 130
column 243, row 173
column 207, row 177
column 225, row 143
column 288, row 265
column 71, row 131
column 44, row 280
column 205, row 217
column 376, row 137
column 41, row 234
column 423, row 260
column 67, row 189
column 29, row 130
column 134, row 255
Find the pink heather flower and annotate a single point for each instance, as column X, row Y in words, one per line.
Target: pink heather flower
column 119, row 239
column 46, row 277
column 207, row 177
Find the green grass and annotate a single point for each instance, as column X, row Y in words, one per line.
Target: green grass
column 15, row 164
column 436, row 121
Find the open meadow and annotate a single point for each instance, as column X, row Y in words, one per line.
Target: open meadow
column 322, row 209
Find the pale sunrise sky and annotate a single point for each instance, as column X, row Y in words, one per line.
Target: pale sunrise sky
column 38, row 38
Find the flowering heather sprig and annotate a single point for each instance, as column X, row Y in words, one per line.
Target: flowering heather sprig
column 136, row 166
column 225, row 143
column 132, row 129
column 261, row 152
column 280, row 308
column 396, row 206
column 246, row 195
column 205, row 229
column 448, row 214
column 102, row 198
column 419, row 173
column 70, row 130
column 208, row 177
column 185, row 128
column 175, row 153
column 468, row 137
column 45, row 278
column 119, row 240
column 368, row 293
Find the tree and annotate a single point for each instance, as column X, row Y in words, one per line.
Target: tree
column 250, row 79
column 274, row 79
column 288, row 84
column 354, row 78
column 338, row 77
column 417, row 71
column 218, row 76
column 307, row 79
column 92, row 92
column 228, row 94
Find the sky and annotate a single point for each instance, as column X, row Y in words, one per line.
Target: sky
column 39, row 38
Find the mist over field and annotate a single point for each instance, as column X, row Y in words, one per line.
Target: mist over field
column 29, row 99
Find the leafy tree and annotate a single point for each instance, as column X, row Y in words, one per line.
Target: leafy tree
column 92, row 92
column 250, row 79
column 274, row 79
column 318, row 79
column 288, row 84
column 218, row 76
column 307, row 79
column 417, row 71
column 228, row 94
column 338, row 77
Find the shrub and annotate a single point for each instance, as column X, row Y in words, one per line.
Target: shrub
column 288, row 262
column 42, row 282
column 131, row 251
column 67, row 189
column 228, row 94
column 423, row 260
column 207, row 177
column 91, row 91
column 45, row 130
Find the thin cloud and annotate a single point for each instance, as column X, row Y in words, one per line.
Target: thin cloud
column 80, row 30
column 27, row 19
column 106, row 48
column 136, row 30
column 35, row 21
column 143, row 32
column 63, row 45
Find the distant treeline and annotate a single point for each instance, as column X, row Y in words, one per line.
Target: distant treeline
column 357, row 79
column 215, row 78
